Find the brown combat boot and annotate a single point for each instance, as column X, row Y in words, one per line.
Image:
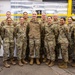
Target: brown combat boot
column 24, row 62
column 20, row 63
column 64, row 65
column 48, row 61
column 6, row 64
column 44, row 60
column 37, row 61
column 51, row 64
column 31, row 61
column 12, row 62
column 70, row 61
column 73, row 64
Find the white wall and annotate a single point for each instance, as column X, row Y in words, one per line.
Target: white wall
column 36, row 0
column 1, row 51
column 4, row 6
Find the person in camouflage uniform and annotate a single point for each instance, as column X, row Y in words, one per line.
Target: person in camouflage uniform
column 43, row 22
column 21, row 41
column 55, row 19
column 25, row 16
column 8, row 41
column 3, row 23
column 50, row 42
column 34, row 39
column 26, row 20
column 72, row 54
column 0, row 37
column 63, row 41
column 8, row 15
column 71, row 39
column 56, row 24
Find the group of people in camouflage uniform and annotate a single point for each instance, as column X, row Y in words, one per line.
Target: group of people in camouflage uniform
column 44, row 39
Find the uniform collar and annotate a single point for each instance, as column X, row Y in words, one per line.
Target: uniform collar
column 34, row 20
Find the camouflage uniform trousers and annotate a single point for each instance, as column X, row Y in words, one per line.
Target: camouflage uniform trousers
column 34, row 45
column 64, row 51
column 0, row 41
column 57, row 50
column 8, row 48
column 43, row 50
column 21, row 48
column 71, row 50
column 50, row 48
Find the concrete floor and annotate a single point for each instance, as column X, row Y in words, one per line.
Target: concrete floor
column 35, row 70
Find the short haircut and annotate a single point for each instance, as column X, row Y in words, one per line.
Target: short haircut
column 63, row 18
column 50, row 17
column 25, row 12
column 8, row 12
column 20, row 17
column 71, row 18
column 9, row 18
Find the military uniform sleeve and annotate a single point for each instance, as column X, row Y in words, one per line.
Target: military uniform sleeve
column 2, row 23
column 15, row 24
column 0, row 37
column 2, row 32
column 73, row 33
column 40, row 29
column 66, row 30
column 16, row 29
column 46, row 28
column 27, row 31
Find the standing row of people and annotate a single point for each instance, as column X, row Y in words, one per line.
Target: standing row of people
column 46, row 38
